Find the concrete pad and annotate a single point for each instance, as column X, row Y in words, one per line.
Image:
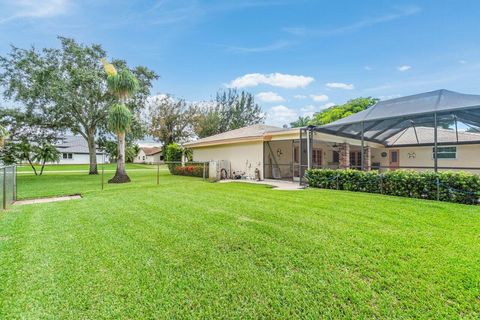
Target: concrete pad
column 47, row 200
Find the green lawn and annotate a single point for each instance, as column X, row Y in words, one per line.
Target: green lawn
column 191, row 249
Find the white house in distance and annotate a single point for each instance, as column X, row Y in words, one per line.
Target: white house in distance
column 149, row 155
column 74, row 150
column 395, row 134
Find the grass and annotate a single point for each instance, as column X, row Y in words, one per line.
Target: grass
column 191, row 249
column 81, row 167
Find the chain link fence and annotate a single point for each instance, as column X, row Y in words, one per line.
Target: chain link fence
column 8, row 185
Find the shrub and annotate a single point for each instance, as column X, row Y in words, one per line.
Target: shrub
column 193, row 170
column 173, row 153
column 460, row 187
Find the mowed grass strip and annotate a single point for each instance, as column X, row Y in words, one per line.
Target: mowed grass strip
column 193, row 249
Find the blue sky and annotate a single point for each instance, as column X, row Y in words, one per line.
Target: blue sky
column 297, row 56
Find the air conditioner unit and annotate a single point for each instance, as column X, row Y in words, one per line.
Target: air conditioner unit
column 219, row 170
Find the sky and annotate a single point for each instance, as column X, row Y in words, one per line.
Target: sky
column 296, row 56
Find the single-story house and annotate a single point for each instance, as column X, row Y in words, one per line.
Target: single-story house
column 149, row 155
column 74, row 150
column 402, row 133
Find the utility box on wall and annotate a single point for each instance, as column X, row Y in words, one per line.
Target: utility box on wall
column 219, row 170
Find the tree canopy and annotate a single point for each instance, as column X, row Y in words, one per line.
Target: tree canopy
column 230, row 110
column 170, row 120
column 341, row 111
column 69, row 85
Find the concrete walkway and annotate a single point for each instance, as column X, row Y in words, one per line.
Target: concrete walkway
column 276, row 184
column 46, row 200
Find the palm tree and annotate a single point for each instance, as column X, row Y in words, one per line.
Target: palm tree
column 119, row 119
column 122, row 85
column 46, row 153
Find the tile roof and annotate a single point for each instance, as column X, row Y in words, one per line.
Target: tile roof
column 253, row 131
column 151, row 151
column 72, row 144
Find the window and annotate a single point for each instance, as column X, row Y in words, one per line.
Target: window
column 445, row 152
column 143, row 157
column 355, row 159
column 67, row 156
column 336, row 157
column 317, row 157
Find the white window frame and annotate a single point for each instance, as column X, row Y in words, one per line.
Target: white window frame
column 439, row 152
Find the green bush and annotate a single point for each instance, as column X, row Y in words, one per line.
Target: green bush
column 460, row 187
column 173, row 153
column 193, row 170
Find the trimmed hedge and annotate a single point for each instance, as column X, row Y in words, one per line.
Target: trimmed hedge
column 460, row 187
column 192, row 170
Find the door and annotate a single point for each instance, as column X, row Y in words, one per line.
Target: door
column 317, row 157
column 394, row 159
column 355, row 159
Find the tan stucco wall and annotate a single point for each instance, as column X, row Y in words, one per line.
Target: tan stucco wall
column 467, row 156
column 243, row 157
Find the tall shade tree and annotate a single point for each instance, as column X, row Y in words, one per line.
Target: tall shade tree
column 341, row 111
column 122, row 85
column 230, row 110
column 68, row 84
column 170, row 119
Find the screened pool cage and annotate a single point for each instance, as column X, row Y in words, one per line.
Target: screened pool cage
column 439, row 119
column 8, row 185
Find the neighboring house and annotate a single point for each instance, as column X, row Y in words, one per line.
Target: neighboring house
column 74, row 150
column 149, row 155
column 391, row 141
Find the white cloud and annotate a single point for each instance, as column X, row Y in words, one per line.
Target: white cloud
column 280, row 115
column 269, row 97
column 300, row 96
column 319, row 98
column 462, row 61
column 33, row 9
column 340, row 85
column 368, row 68
column 404, row 68
column 273, row 79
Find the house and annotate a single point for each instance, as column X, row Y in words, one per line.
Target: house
column 149, row 155
column 74, row 150
column 436, row 130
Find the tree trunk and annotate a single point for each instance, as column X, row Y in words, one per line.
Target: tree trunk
column 43, row 167
column 120, row 175
column 92, row 152
column 33, row 167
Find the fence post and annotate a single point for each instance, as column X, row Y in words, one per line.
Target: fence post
column 158, row 173
column 103, row 167
column 438, row 189
column 338, row 188
column 381, row 183
column 4, row 188
column 204, row 171
column 14, row 183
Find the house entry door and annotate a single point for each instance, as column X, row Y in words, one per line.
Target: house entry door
column 394, row 159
